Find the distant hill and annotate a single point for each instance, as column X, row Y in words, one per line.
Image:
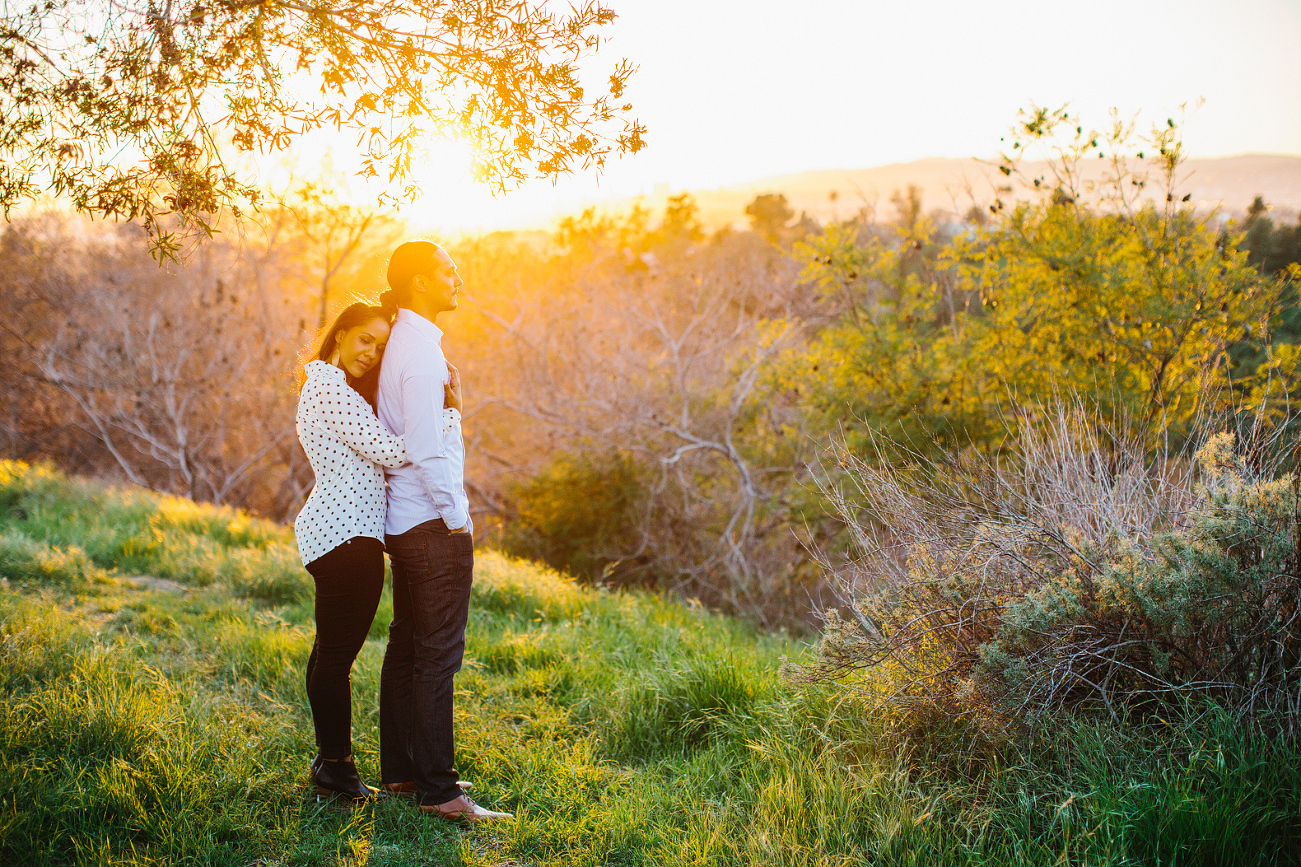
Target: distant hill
column 1226, row 183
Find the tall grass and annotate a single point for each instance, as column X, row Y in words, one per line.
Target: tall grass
column 145, row 727
column 139, row 533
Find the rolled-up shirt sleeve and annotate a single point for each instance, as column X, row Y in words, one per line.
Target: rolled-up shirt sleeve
column 426, row 442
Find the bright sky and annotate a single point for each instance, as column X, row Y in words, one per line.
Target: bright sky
column 736, row 90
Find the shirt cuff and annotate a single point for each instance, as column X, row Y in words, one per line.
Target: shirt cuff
column 457, row 519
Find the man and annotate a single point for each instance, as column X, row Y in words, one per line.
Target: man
column 428, row 534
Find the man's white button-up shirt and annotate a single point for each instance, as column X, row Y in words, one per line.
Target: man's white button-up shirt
column 411, row 395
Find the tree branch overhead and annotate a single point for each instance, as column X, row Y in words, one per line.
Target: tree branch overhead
column 127, row 108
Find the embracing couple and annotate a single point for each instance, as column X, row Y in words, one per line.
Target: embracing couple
column 360, row 421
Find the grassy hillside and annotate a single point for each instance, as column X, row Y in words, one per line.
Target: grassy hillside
column 151, row 658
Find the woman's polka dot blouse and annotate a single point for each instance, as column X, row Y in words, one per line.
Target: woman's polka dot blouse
column 346, row 445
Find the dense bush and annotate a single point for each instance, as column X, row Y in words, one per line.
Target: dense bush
column 1074, row 574
column 579, row 515
column 1213, row 610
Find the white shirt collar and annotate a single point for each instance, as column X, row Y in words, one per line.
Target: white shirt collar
column 317, row 368
column 420, row 323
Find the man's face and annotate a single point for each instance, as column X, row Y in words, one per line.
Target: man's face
column 441, row 282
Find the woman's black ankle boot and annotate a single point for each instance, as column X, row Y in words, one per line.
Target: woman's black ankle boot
column 338, row 779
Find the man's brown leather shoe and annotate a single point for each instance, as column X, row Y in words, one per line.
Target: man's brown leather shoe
column 465, row 811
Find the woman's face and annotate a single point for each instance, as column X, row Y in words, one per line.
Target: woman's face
column 361, row 346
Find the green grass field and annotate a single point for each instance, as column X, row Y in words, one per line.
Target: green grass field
column 151, row 658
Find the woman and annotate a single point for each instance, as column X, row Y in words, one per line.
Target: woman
column 340, row 530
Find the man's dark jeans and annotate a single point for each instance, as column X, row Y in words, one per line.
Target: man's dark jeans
column 432, row 572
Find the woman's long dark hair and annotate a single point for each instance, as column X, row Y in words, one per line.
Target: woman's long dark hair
column 350, row 317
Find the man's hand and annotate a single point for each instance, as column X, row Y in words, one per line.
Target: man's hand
column 464, row 528
column 452, row 391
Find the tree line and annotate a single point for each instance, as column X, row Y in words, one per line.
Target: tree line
column 655, row 405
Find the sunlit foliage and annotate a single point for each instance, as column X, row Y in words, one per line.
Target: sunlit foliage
column 1132, row 303
column 126, row 109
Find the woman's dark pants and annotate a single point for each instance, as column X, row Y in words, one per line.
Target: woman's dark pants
column 349, row 580
column 432, row 572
